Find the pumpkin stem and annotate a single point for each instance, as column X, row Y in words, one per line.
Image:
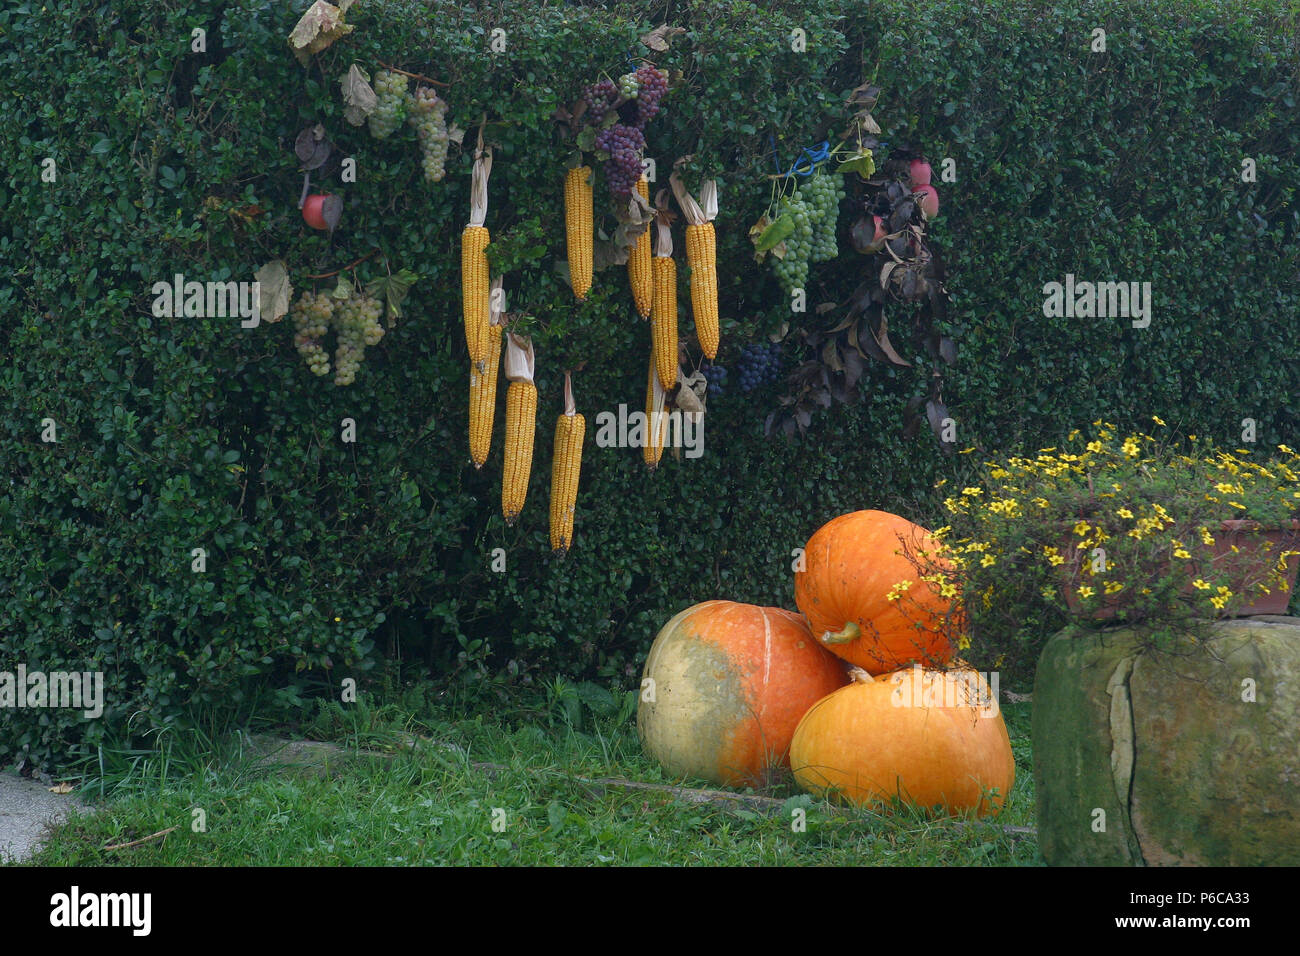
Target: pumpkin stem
column 851, row 632
column 858, row 676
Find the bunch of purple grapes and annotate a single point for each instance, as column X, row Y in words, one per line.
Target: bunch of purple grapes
column 759, row 365
column 717, row 378
column 600, row 97
column 652, row 84
column 624, row 145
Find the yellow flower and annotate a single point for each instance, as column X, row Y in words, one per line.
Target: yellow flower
column 1201, row 585
column 1124, row 513
column 988, row 561
column 1206, row 537
column 1082, row 528
column 1226, row 592
column 970, row 492
column 1086, row 591
column 1041, row 502
column 1181, row 553
column 1236, row 504
column 1113, row 586
column 1130, row 448
column 1049, row 594
column 1156, row 419
column 1224, row 487
column 1218, row 601
column 1095, row 446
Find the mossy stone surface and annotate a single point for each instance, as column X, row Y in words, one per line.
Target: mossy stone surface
column 1192, row 756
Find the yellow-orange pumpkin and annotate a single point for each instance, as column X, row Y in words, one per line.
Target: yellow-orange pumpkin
column 851, row 567
column 932, row 738
column 724, row 688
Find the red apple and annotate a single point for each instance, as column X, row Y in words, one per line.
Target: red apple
column 313, row 211
column 928, row 198
column 878, row 237
column 920, row 172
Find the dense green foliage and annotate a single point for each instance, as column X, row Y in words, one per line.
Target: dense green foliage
column 175, row 434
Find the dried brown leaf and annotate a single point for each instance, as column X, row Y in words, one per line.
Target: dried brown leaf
column 358, row 96
column 320, row 26
column 660, row 37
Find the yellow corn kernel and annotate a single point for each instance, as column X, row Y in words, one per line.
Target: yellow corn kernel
column 656, row 419
column 578, row 219
column 701, row 254
column 663, row 321
column 483, row 399
column 521, row 422
column 475, row 297
column 565, row 467
column 639, row 272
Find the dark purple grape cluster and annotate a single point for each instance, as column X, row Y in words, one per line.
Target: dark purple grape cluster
column 652, row 84
column 600, row 97
column 717, row 378
column 624, row 145
column 759, row 365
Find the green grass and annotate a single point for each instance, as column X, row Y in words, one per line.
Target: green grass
column 436, row 804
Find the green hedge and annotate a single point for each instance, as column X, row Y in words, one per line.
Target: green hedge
column 322, row 556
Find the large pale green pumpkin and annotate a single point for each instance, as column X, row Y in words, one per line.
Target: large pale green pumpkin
column 724, row 687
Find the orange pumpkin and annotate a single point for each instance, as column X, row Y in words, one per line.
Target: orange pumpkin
column 724, row 687
column 851, row 567
column 928, row 737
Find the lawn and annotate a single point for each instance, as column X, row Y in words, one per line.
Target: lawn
column 524, row 790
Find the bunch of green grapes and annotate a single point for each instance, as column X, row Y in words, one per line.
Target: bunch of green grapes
column 792, row 271
column 312, row 317
column 823, row 192
column 390, row 105
column 427, row 112
column 357, row 323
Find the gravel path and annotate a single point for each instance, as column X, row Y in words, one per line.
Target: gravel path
column 27, row 808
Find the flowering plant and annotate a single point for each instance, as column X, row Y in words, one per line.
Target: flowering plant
column 1109, row 530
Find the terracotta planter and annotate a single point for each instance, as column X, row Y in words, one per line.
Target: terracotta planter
column 1251, row 560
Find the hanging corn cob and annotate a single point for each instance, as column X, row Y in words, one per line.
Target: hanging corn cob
column 483, row 386
column 474, row 264
column 578, row 219
column 701, row 255
column 565, row 466
column 656, row 419
column 663, row 316
column 639, row 270
column 521, row 422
